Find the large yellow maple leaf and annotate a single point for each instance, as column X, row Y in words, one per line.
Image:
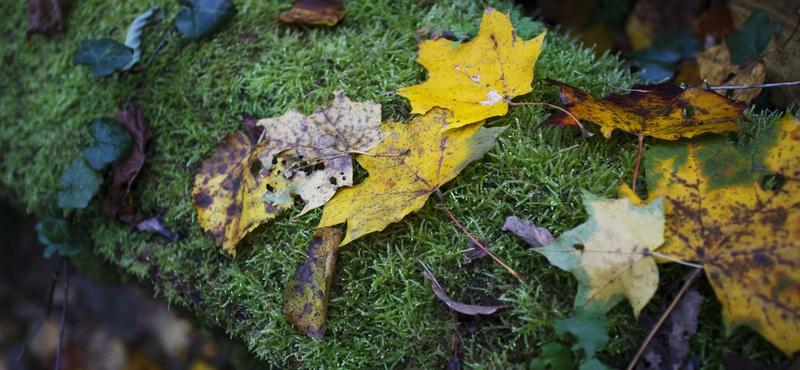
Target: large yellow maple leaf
column 475, row 80
column 736, row 211
column 227, row 195
column 398, row 185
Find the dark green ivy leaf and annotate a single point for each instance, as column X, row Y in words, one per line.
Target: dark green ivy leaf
column 554, row 356
column 73, row 238
column 203, row 16
column 751, row 39
column 523, row 26
column 112, row 142
column 588, row 327
column 104, row 56
column 657, row 61
column 81, row 181
column 594, row 364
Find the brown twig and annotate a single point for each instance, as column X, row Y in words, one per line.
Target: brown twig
column 663, row 318
column 585, row 132
column 516, row 274
column 776, row 84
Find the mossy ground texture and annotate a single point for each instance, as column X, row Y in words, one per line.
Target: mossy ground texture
column 382, row 312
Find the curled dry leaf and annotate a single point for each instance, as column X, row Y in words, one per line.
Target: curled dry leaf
column 614, row 263
column 475, row 80
column 227, row 195
column 45, row 17
column 466, row 309
column 735, row 211
column 716, row 67
column 316, row 12
column 155, row 225
column 327, row 138
column 535, row 236
column 306, row 295
column 474, row 251
column 425, row 157
column 119, row 198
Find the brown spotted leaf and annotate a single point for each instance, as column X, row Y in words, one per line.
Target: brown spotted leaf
column 716, row 67
column 736, row 211
column 325, row 138
column 227, row 195
column 316, row 12
column 119, row 200
column 466, row 309
column 306, row 296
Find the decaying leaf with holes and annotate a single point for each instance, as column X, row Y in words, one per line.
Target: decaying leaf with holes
column 306, row 296
column 227, row 195
column 736, row 211
column 613, row 264
column 426, row 157
column 716, row 67
column 316, row 12
column 475, row 80
column 326, row 139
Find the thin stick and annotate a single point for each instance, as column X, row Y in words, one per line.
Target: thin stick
column 44, row 316
column 377, row 154
column 516, row 274
column 160, row 45
column 629, row 90
column 585, row 132
column 776, row 84
column 663, row 318
column 782, row 42
column 638, row 160
column 664, row 256
column 63, row 314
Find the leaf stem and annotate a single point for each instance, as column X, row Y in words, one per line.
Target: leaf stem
column 694, row 274
column 585, row 132
column 638, row 160
column 516, row 274
column 664, row 256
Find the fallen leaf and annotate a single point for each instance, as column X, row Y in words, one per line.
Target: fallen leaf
column 734, row 210
column 104, row 56
column 155, row 225
column 119, row 196
column 253, row 131
column 474, row 251
column 751, row 39
column 427, row 158
column 657, row 61
column 305, row 299
column 327, row 137
column 651, row 18
column 133, row 39
column 454, row 364
column 45, row 17
column 613, row 263
column 111, row 143
column 466, row 309
column 553, row 356
column 650, row 110
column 316, row 12
column 588, row 327
column 535, row 236
column 716, row 67
column 81, row 181
column 227, row 195
column 475, row 80
column 201, row 17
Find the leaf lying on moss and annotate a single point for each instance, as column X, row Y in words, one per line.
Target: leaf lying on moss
column 82, row 183
column 119, row 196
column 553, row 356
column 401, row 184
column 527, row 231
column 477, row 79
column 466, row 309
column 316, row 12
column 325, row 138
column 227, row 195
column 104, row 56
column 133, row 39
column 112, row 142
column 306, row 295
column 201, row 17
column 735, row 211
column 588, row 327
column 613, row 263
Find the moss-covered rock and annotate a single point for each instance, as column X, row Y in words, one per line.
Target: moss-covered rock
column 382, row 312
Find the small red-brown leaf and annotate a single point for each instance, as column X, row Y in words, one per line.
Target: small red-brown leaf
column 119, row 197
column 45, row 17
column 316, row 12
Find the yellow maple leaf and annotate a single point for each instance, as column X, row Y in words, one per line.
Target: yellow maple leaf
column 614, row 263
column 227, row 195
column 475, row 80
column 735, row 211
column 400, row 185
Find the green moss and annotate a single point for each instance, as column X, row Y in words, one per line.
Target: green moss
column 382, row 312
